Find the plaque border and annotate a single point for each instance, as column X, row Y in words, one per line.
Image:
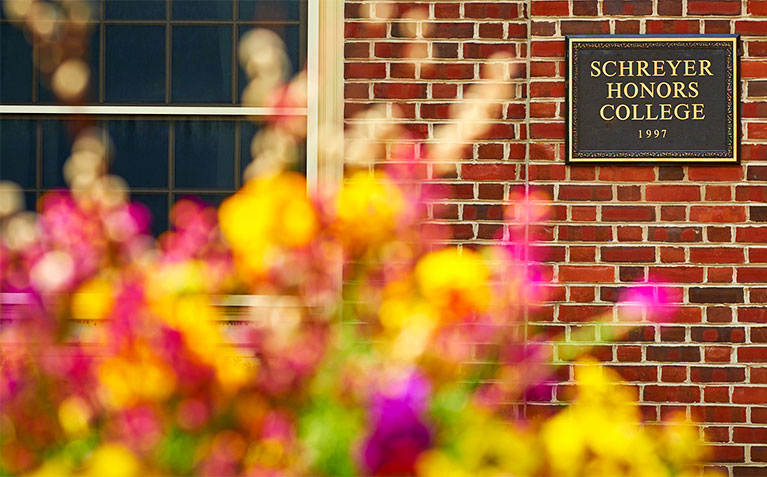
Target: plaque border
column 732, row 156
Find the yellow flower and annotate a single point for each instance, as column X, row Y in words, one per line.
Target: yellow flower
column 113, row 460
column 601, row 435
column 484, row 446
column 93, row 300
column 266, row 216
column 126, row 380
column 74, row 414
column 454, row 282
column 436, row 463
column 370, row 208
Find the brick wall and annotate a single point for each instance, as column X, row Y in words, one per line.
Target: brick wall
column 701, row 228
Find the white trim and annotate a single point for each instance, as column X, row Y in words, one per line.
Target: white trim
column 152, row 110
column 313, row 93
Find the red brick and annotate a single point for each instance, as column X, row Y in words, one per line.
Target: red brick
column 547, row 130
column 364, row 70
column 722, row 173
column 676, row 274
column 757, row 255
column 717, row 255
column 399, row 90
column 675, row 234
column 630, row 234
column 751, row 193
column 655, row 393
column 449, row 30
column 496, row 10
column 584, row 27
column 628, row 27
column 673, row 374
column 628, row 254
column 627, row 7
column 585, row 233
column 637, row 373
column 548, row 49
column 716, row 394
column 721, row 413
column 447, row 10
column 583, row 313
column 578, row 192
column 670, row 7
column 630, row 174
column 749, row 395
column 751, row 234
column 628, row 213
column 751, row 27
column 550, row 8
column 752, row 315
column 672, row 255
column 364, row 30
column 718, row 334
column 447, row 71
column 484, row 172
column 718, row 213
column 673, row 26
column 716, row 295
column 713, row 7
column 543, row 110
column 728, row 453
column 754, row 435
column 589, row 274
column 672, row 193
column 719, row 275
column 547, row 89
column 757, row 130
column 752, row 275
column 752, row 354
column 757, row 7
column 716, row 26
column 686, row 354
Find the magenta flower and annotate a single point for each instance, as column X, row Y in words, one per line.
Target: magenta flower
column 399, row 433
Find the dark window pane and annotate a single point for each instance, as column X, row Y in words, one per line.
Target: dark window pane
column 135, row 9
column 204, row 155
column 45, row 95
column 30, row 201
column 57, row 146
column 290, row 35
column 141, row 152
column 202, row 9
column 269, row 10
column 248, row 131
column 135, row 63
column 158, row 207
column 15, row 66
column 202, row 64
column 17, row 151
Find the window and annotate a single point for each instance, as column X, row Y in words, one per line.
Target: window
column 167, row 91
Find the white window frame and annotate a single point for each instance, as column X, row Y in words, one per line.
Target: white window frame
column 324, row 106
column 324, row 115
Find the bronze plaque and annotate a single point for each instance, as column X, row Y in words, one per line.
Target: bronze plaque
column 652, row 99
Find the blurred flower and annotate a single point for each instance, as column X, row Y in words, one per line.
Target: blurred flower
column 370, row 210
column 74, row 413
column 113, row 460
column 454, row 281
column 399, row 433
column 266, row 219
column 93, row 300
